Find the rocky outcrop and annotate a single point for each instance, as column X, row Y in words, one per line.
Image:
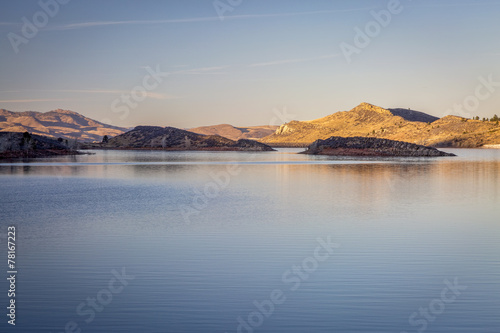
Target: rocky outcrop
column 25, row 145
column 170, row 138
column 283, row 129
column 361, row 146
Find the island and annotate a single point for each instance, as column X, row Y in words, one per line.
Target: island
column 362, row 146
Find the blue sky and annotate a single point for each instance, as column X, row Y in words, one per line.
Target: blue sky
column 263, row 58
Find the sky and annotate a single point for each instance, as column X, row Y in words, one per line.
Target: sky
column 189, row 63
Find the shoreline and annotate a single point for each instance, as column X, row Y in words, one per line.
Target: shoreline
column 175, row 149
column 38, row 154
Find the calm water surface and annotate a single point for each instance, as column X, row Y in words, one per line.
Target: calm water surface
column 139, row 241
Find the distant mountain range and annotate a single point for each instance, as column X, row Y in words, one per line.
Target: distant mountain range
column 58, row 124
column 367, row 120
column 72, row 125
column 236, row 133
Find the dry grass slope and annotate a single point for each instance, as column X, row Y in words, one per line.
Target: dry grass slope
column 368, row 120
column 58, row 123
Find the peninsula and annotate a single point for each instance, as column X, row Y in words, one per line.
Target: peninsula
column 170, row 138
column 14, row 145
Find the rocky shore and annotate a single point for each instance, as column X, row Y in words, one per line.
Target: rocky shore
column 362, row 146
column 14, row 145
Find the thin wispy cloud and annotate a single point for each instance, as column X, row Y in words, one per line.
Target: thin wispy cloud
column 11, row 91
column 210, row 70
column 84, row 25
column 316, row 12
column 459, row 4
column 293, row 61
column 149, row 94
column 92, row 24
column 218, row 69
column 160, row 96
column 203, row 70
column 31, row 100
column 96, row 91
column 89, row 91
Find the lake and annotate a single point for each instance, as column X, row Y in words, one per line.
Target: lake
column 154, row 241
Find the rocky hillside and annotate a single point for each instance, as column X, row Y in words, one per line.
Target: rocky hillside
column 236, row 133
column 57, row 124
column 170, row 138
column 359, row 146
column 367, row 120
column 15, row 145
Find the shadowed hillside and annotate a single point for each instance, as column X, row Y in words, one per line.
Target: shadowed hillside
column 25, row 145
column 412, row 115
